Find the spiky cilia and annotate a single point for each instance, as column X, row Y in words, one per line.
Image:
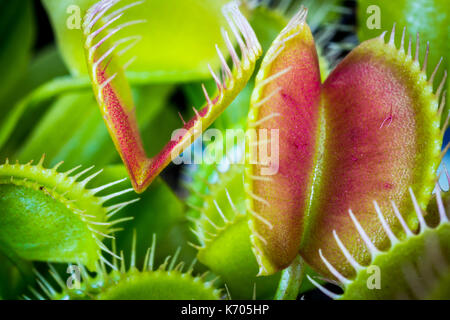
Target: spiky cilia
column 114, row 95
column 52, row 216
column 368, row 132
column 166, row 282
column 416, row 267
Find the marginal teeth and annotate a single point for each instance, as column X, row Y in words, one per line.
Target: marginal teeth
column 227, row 11
column 95, row 33
column 129, row 62
column 97, row 190
column 219, row 210
column 208, row 100
column 103, row 57
column 116, row 194
column 118, row 11
column 94, row 48
column 107, row 81
column 409, row 47
column 441, row 85
column 416, row 57
column 134, row 39
column 425, row 60
column 401, row 220
column 385, row 225
column 347, row 254
column 251, row 48
column 92, row 176
column 372, row 249
column 216, row 78
column 442, row 212
column 324, row 290
column 231, row 50
column 333, row 271
column 298, row 19
column 435, row 71
column 402, row 43
column 75, row 177
column 225, row 66
column 96, row 13
column 423, row 225
column 392, row 37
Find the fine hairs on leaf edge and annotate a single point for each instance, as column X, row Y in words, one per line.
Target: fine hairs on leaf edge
column 105, row 279
column 70, row 189
column 329, row 51
column 293, row 28
column 117, row 105
column 435, row 99
column 204, row 221
column 375, row 252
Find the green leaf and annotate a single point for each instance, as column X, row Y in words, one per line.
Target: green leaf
column 224, row 236
column 429, row 18
column 267, row 23
column 16, row 40
column 84, row 139
column 169, row 281
column 159, row 212
column 177, row 42
column 51, row 216
column 32, row 102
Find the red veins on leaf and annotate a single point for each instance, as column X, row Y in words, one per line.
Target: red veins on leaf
column 365, row 135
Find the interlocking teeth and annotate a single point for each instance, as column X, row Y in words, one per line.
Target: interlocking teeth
column 422, row 65
column 411, row 274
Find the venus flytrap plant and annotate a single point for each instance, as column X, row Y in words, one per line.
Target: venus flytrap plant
column 166, row 282
column 199, row 20
column 415, row 267
column 182, row 26
column 369, row 132
column 53, row 216
column 267, row 20
column 220, row 224
column 219, row 215
column 159, row 211
column 114, row 98
column 359, row 147
column 430, row 18
column 84, row 138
